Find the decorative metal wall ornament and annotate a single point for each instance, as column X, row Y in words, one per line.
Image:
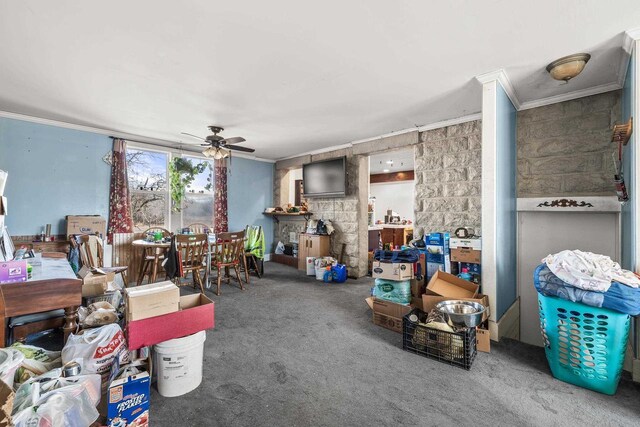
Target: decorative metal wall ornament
column 108, row 158
column 565, row 203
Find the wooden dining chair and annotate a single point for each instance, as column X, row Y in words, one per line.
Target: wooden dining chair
column 193, row 251
column 92, row 255
column 199, row 228
column 228, row 253
column 152, row 256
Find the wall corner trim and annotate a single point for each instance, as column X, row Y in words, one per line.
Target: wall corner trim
column 501, row 76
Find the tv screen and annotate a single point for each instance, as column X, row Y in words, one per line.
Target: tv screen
column 325, row 179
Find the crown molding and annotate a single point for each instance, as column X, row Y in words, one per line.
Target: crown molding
column 595, row 90
column 501, row 76
column 141, row 139
column 451, row 122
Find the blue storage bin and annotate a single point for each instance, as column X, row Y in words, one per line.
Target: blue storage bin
column 585, row 345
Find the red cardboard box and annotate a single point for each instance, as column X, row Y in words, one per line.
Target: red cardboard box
column 196, row 314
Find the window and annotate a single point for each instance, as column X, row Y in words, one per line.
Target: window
column 147, row 172
column 197, row 205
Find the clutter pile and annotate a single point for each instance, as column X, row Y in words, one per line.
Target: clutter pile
column 586, row 301
column 441, row 316
column 104, row 372
column 326, row 269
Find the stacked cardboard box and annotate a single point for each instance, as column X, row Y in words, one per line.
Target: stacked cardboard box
column 438, row 256
column 467, row 252
column 444, row 287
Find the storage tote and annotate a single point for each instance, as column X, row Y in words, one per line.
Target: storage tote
column 585, row 345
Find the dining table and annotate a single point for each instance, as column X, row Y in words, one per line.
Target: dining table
column 53, row 286
column 155, row 249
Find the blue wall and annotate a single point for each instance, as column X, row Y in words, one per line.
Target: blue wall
column 506, row 230
column 250, row 189
column 53, row 172
column 629, row 216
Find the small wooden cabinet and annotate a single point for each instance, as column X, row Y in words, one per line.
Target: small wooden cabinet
column 396, row 236
column 312, row 245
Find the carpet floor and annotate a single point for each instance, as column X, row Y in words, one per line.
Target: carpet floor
column 292, row 351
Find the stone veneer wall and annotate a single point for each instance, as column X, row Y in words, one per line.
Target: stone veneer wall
column 565, row 149
column 448, row 165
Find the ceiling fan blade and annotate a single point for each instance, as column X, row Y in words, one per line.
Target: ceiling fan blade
column 195, row 136
column 234, row 140
column 237, row 148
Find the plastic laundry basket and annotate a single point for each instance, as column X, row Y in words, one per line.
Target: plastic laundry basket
column 585, row 346
column 179, row 363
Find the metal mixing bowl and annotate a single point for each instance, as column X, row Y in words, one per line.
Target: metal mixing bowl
column 461, row 313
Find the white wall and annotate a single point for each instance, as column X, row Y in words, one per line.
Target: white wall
column 393, row 195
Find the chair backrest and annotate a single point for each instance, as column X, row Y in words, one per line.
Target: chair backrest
column 229, row 247
column 123, row 253
column 193, row 248
column 198, row 228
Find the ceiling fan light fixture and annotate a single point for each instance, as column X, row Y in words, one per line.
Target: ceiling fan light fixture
column 568, row 67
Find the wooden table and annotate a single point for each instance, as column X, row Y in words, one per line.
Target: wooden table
column 159, row 249
column 54, row 285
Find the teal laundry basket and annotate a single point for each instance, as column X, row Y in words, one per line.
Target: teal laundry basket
column 585, row 345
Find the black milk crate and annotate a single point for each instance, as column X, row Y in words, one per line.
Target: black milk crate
column 454, row 348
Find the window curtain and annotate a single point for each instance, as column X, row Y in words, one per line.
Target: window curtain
column 120, row 218
column 220, row 219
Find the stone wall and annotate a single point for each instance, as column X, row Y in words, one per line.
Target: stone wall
column 448, row 164
column 566, row 149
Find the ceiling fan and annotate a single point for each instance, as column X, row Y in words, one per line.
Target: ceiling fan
column 219, row 147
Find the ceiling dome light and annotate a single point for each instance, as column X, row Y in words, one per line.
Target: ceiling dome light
column 568, row 67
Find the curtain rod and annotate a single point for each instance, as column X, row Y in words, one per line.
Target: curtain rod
column 179, row 145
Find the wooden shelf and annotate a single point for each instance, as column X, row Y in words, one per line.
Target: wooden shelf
column 275, row 215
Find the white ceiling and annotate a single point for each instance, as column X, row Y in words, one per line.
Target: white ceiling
column 402, row 161
column 291, row 76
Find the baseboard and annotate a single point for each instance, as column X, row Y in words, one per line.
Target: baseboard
column 635, row 374
column 509, row 324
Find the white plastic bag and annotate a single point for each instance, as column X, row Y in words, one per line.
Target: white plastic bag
column 280, row 248
column 96, row 350
column 10, row 361
column 67, row 406
column 36, row 362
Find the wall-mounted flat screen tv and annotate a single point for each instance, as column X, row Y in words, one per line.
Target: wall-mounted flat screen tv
column 327, row 178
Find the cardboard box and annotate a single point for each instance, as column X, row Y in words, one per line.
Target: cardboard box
column 13, row 271
column 483, row 338
column 6, row 397
column 417, row 288
column 466, row 255
column 392, row 271
column 128, row 401
column 388, row 314
column 448, row 285
column 95, row 282
column 196, row 314
column 152, row 300
column 474, row 243
column 438, row 254
column 86, row 224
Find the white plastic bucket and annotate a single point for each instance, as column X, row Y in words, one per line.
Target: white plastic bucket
column 320, row 273
column 179, row 364
column 311, row 267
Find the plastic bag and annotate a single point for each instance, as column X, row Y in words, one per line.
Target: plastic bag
column 67, row 406
column 36, row 362
column 394, row 291
column 10, row 361
column 96, row 350
column 280, row 248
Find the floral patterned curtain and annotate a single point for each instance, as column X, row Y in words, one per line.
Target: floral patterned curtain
column 220, row 220
column 120, row 219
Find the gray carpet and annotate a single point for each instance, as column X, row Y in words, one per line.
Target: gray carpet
column 292, row 351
